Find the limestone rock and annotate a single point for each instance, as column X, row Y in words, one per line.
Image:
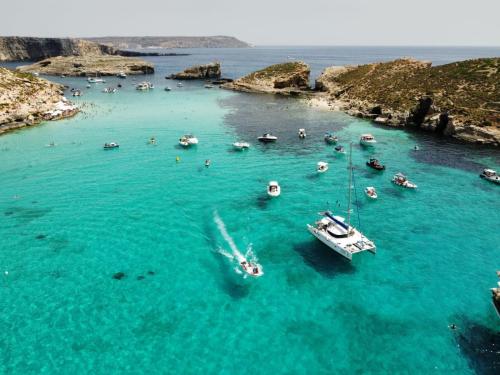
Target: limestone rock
column 206, row 71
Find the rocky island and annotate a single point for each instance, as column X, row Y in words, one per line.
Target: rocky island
column 291, row 78
column 206, row 71
column 89, row 66
column 461, row 100
column 26, row 100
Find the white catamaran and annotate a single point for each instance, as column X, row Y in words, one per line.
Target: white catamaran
column 338, row 234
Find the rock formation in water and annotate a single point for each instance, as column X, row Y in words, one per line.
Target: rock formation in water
column 138, row 42
column 15, row 48
column 461, row 99
column 206, row 71
column 291, row 78
column 26, row 100
column 89, row 66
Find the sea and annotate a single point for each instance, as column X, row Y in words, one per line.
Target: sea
column 124, row 260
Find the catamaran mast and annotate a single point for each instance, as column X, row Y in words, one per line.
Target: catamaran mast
column 350, row 190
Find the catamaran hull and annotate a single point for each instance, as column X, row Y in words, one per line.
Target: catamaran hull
column 331, row 245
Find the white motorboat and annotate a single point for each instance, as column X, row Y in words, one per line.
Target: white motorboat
column 367, row 140
column 95, row 80
column 273, row 189
column 339, row 149
column 267, row 138
column 143, row 86
column 121, row 75
column 490, row 175
column 322, row 167
column 331, row 139
column 401, row 180
column 168, row 89
column 371, row 192
column 338, row 234
column 77, row 93
column 188, row 140
column 302, row 133
column 253, row 269
column 111, row 145
column 179, row 84
column 241, row 145
column 209, row 86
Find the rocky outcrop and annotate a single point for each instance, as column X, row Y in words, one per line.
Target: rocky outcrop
column 291, row 78
column 24, row 48
column 89, row 66
column 461, row 100
column 138, row 42
column 206, row 71
column 26, row 100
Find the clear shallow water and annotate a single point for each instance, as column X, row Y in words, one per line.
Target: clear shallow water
column 72, row 216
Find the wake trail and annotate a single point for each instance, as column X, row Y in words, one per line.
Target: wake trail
column 223, row 231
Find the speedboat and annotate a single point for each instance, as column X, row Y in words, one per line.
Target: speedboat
column 367, row 140
column 111, row 145
column 302, row 133
column 168, row 89
column 209, row 86
column 375, row 164
column 339, row 149
column 95, row 80
column 144, row 86
column 77, row 93
column 401, row 180
column 273, row 189
column 188, row 140
column 331, row 139
column 121, row 75
column 253, row 269
column 322, row 167
column 337, row 233
column 490, row 175
column 267, row 138
column 371, row 192
column 241, row 145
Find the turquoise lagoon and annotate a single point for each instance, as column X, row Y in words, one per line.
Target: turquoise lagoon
column 73, row 215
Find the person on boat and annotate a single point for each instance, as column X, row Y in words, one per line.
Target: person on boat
column 255, row 270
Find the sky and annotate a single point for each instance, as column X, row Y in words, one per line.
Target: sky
column 264, row 22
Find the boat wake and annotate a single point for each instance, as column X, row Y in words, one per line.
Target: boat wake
column 245, row 263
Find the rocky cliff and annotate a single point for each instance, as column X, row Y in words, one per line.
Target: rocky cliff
column 291, row 78
column 206, row 71
column 89, row 66
column 138, row 42
column 23, row 48
column 460, row 99
column 27, row 100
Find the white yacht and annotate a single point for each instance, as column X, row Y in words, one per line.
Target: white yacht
column 208, row 86
column 401, row 180
column 371, row 192
column 267, row 138
column 111, row 145
column 121, row 75
column 322, row 167
column 367, row 140
column 179, row 84
column 302, row 133
column 490, row 175
column 338, row 234
column 273, row 189
column 188, row 140
column 168, row 89
column 241, row 145
column 143, row 86
column 95, row 80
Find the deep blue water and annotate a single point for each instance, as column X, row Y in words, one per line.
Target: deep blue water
column 74, row 215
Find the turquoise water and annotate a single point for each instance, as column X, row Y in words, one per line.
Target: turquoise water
column 74, row 215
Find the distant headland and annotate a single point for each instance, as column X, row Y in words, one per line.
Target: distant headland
column 140, row 42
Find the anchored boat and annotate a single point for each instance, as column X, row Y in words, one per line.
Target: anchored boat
column 331, row 139
column 111, row 145
column 371, row 192
column 188, row 140
column 267, row 138
column 367, row 140
column 273, row 189
column 241, row 145
column 322, row 167
column 338, row 234
column 302, row 133
column 490, row 175
column 401, row 180
column 375, row 164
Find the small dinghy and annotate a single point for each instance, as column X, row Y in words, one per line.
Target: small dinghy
column 188, row 140
column 322, row 167
column 339, row 149
column 371, row 192
column 267, row 138
column 375, row 164
column 367, row 140
column 241, row 145
column 490, row 175
column 302, row 133
column 253, row 269
column 110, row 145
column 331, row 139
column 401, row 180
column 273, row 189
